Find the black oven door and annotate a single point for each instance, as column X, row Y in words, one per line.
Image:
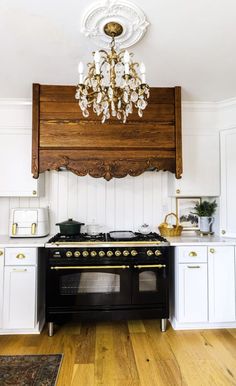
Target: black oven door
column 150, row 284
column 88, row 286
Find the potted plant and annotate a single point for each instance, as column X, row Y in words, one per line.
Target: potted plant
column 205, row 211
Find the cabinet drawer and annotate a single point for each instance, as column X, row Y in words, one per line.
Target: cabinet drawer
column 192, row 254
column 20, row 256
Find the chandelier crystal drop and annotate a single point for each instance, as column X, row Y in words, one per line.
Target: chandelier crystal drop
column 114, row 84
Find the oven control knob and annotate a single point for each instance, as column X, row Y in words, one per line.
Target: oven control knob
column 101, row 253
column 93, row 253
column 157, row 252
column 117, row 253
column 77, row 254
column 125, row 252
column 109, row 253
column 85, row 253
column 69, row 254
column 133, row 252
column 149, row 252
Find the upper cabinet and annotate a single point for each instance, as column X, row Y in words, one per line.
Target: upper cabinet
column 15, row 152
column 201, row 165
column 63, row 138
column 228, row 183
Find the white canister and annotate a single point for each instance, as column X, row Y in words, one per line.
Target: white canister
column 206, row 224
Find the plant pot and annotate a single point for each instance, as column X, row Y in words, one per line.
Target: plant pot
column 70, row 227
column 206, row 224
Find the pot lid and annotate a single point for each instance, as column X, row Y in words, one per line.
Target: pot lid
column 70, row 221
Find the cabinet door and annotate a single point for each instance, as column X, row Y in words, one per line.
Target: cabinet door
column 19, row 297
column 221, row 284
column 15, row 160
column 1, row 283
column 200, row 162
column 193, row 294
column 228, row 183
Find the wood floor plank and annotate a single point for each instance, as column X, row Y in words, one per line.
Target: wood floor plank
column 83, row 375
column 85, row 346
column 136, row 326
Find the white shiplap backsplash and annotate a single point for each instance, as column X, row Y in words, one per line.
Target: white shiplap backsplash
column 123, row 204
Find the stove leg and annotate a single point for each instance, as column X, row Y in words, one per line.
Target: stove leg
column 50, row 329
column 163, row 325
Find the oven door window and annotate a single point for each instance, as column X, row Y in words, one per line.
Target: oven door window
column 89, row 282
column 73, row 286
column 150, row 285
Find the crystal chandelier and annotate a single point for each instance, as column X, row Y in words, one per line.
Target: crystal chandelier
column 114, row 84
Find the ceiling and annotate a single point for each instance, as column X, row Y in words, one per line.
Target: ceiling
column 190, row 43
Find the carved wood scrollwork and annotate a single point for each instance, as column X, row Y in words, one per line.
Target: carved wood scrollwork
column 109, row 169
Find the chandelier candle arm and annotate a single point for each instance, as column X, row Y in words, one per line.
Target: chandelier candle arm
column 81, row 72
column 143, row 72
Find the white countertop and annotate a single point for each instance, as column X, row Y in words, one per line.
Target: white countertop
column 200, row 240
column 6, row 241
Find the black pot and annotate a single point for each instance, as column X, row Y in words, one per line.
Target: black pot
column 70, row 227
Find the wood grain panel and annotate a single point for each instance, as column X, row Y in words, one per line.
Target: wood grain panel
column 88, row 134
column 61, row 127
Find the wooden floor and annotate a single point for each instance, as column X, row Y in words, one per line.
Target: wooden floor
column 134, row 354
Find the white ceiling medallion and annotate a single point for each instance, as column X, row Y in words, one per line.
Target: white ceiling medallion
column 131, row 18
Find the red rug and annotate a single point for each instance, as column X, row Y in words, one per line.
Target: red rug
column 29, row 370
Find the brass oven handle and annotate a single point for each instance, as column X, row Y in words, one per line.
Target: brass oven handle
column 13, row 229
column 20, row 256
column 150, row 266
column 93, row 267
column 33, row 228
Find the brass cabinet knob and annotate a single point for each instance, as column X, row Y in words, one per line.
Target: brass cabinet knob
column 149, row 252
column 117, row 253
column 223, row 232
column 85, row 253
column 212, row 250
column 178, row 191
column 134, row 252
column 77, row 254
column 109, row 253
column 34, row 192
column 20, row 256
column 1, row 253
column 101, row 253
column 126, row 253
column 69, row 254
column 158, row 253
column 93, row 253
column 192, row 254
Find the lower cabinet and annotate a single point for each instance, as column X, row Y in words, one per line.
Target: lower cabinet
column 221, row 266
column 20, row 299
column 193, row 303
column 1, row 283
column 204, row 290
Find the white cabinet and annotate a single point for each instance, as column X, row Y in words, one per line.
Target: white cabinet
column 228, row 183
column 1, row 283
column 191, row 291
column 221, row 284
column 19, row 297
column 15, row 161
column 20, row 289
column 201, row 166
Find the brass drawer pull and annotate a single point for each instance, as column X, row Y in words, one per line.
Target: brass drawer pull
column 14, row 226
column 20, row 256
column 193, row 266
column 212, row 250
column 92, row 267
column 1, row 253
column 33, row 229
column 192, row 254
column 150, row 266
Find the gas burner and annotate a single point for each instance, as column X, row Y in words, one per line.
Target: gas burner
column 82, row 237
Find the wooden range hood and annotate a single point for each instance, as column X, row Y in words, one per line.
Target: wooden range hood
column 63, row 138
